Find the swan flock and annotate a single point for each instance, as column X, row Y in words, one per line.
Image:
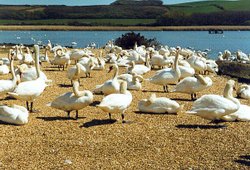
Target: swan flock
column 181, row 71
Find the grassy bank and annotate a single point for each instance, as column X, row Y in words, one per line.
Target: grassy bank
column 76, row 22
column 119, row 28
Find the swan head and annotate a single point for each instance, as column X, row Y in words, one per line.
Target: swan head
column 112, row 67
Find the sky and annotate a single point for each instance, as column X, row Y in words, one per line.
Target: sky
column 75, row 2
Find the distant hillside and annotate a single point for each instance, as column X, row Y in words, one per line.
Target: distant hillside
column 132, row 12
column 138, row 2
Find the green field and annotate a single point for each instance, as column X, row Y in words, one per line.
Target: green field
column 93, row 22
column 211, row 6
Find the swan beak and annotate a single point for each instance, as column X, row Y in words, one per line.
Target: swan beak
column 110, row 69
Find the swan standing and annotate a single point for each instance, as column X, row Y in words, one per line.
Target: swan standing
column 169, row 76
column 28, row 91
column 14, row 114
column 75, row 100
column 192, row 85
column 9, row 85
column 214, row 107
column 159, row 105
column 117, row 103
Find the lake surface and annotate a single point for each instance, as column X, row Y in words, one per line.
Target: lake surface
column 199, row 40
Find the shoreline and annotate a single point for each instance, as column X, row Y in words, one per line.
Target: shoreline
column 119, row 28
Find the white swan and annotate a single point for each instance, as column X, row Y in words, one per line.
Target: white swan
column 135, row 83
column 168, row 76
column 110, row 86
column 75, row 100
column 14, row 114
column 79, row 70
column 9, row 85
column 62, row 58
column 4, row 69
column 158, row 105
column 214, row 107
column 160, row 60
column 28, row 91
column 198, row 63
column 27, row 57
column 140, row 69
column 244, row 91
column 192, row 85
column 117, row 103
column 243, row 114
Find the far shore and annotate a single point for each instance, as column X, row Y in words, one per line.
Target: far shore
column 119, row 28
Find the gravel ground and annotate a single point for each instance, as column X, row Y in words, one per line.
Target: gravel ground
column 149, row 141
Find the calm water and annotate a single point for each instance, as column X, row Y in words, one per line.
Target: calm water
column 199, row 40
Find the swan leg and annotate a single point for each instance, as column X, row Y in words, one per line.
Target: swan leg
column 68, row 114
column 76, row 114
column 165, row 88
column 195, row 96
column 27, row 105
column 31, row 108
column 123, row 121
column 110, row 116
column 192, row 96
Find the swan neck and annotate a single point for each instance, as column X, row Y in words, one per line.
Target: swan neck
column 201, row 79
column 76, row 89
column 12, row 69
column 37, row 62
column 176, row 60
column 116, row 72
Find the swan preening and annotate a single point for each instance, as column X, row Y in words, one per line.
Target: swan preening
column 244, row 91
column 159, row 105
column 214, row 107
column 118, row 102
column 75, row 100
column 192, row 85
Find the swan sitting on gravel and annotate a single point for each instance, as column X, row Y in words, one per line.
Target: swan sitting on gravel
column 118, row 102
column 110, row 86
column 214, row 107
column 9, row 85
column 158, row 105
column 135, row 83
column 138, row 68
column 4, row 69
column 75, row 100
column 28, row 91
column 243, row 114
column 244, row 91
column 192, row 85
column 14, row 114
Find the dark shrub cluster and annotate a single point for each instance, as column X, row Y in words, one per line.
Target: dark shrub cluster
column 128, row 40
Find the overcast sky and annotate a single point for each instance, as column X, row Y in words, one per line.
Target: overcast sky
column 75, row 2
